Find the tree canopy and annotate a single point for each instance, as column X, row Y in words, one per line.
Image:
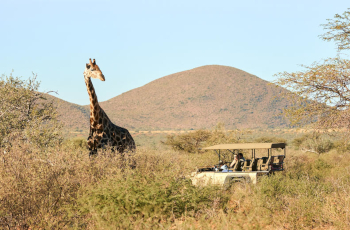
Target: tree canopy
column 338, row 30
column 320, row 94
column 25, row 114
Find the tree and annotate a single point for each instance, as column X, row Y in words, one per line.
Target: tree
column 192, row 142
column 320, row 94
column 338, row 30
column 26, row 115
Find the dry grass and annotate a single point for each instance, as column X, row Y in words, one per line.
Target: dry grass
column 63, row 188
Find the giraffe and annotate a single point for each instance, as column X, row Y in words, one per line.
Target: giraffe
column 102, row 131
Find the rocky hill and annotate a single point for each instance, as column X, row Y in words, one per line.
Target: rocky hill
column 192, row 99
column 74, row 117
column 198, row 98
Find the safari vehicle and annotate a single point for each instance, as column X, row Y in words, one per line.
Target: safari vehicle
column 248, row 171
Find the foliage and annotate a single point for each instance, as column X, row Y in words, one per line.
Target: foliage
column 314, row 143
column 139, row 197
column 342, row 146
column 76, row 143
column 338, row 30
column 35, row 189
column 25, row 115
column 320, row 93
column 222, row 136
column 66, row 189
column 188, row 142
column 192, row 141
column 270, row 140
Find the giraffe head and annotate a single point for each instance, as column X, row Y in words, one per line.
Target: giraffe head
column 92, row 70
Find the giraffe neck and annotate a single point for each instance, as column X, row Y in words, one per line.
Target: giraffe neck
column 94, row 106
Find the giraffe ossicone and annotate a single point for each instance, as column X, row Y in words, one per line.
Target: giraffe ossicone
column 102, row 131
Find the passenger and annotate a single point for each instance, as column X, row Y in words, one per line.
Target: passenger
column 241, row 158
column 237, row 158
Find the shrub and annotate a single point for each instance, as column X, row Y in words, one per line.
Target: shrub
column 192, row 141
column 342, row 146
column 313, row 143
column 66, row 189
column 34, row 189
column 221, row 136
column 26, row 115
column 156, row 191
column 188, row 142
column 76, row 143
column 270, row 140
column 116, row 202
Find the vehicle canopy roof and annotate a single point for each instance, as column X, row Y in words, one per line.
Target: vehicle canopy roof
column 247, row 146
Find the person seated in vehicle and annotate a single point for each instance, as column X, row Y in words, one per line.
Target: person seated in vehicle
column 224, row 168
column 221, row 167
column 237, row 158
column 217, row 167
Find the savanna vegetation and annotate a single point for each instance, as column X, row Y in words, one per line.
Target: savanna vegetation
column 50, row 183
column 320, row 93
column 64, row 188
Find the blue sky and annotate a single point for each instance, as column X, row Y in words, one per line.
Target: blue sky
column 136, row 42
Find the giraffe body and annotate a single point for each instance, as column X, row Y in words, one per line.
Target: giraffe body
column 103, row 132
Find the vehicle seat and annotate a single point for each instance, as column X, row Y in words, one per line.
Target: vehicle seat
column 247, row 166
column 255, row 164
column 238, row 166
column 280, row 158
column 278, row 163
column 259, row 162
column 264, row 159
column 264, row 166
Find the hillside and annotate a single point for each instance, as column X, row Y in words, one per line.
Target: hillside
column 74, row 117
column 198, row 98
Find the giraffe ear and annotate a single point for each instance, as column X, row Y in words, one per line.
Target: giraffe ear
column 87, row 65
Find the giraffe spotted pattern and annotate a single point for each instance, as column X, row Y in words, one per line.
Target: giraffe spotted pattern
column 103, row 132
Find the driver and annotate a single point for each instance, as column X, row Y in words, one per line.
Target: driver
column 221, row 166
column 224, row 168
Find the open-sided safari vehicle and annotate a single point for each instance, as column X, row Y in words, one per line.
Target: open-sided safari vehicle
column 248, row 170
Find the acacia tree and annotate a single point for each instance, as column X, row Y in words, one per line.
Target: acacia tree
column 338, row 30
column 25, row 114
column 320, row 94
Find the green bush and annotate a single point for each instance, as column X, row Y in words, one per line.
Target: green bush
column 192, row 142
column 26, row 115
column 276, row 193
column 342, row 146
column 76, row 143
column 314, row 143
column 156, row 191
column 116, row 202
column 188, row 142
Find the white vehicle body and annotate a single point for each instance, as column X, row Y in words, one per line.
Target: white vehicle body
column 248, row 171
